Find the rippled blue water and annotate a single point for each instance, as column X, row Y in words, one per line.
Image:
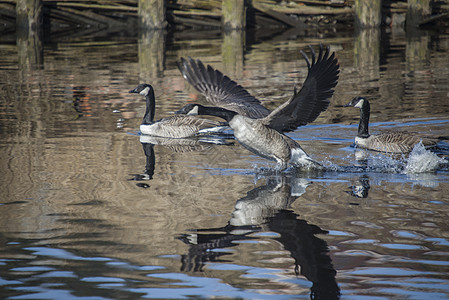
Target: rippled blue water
column 90, row 212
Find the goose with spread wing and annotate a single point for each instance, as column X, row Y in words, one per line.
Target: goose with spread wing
column 264, row 135
column 220, row 90
column 177, row 126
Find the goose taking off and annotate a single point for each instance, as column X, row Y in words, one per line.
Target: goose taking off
column 264, row 136
column 220, row 90
column 177, row 126
column 391, row 141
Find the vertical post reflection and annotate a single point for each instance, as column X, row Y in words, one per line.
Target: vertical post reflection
column 29, row 48
column 416, row 50
column 151, row 51
column 367, row 53
column 367, row 59
column 417, row 57
column 232, row 52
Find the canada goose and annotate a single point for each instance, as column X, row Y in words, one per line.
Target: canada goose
column 391, row 141
column 175, row 126
column 265, row 136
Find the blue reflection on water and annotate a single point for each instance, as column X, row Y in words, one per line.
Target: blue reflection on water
column 199, row 286
column 62, row 254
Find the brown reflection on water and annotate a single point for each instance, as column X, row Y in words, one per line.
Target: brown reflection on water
column 232, row 52
column 367, row 54
column 69, row 147
column 152, row 50
column 266, row 208
column 398, row 221
column 90, row 193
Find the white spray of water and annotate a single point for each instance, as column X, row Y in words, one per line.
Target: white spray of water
column 421, row 160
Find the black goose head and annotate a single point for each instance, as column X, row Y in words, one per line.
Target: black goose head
column 363, row 104
column 198, row 109
column 142, row 89
column 190, row 109
column 358, row 102
column 147, row 91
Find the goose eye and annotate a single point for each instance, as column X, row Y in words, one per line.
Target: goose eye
column 360, row 103
column 145, row 91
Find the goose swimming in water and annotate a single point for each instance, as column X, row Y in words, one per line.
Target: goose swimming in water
column 391, row 141
column 264, row 135
column 177, row 126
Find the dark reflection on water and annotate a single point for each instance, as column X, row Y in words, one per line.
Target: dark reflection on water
column 361, row 189
column 90, row 209
column 149, row 166
column 266, row 209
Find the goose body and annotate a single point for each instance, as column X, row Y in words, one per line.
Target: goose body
column 394, row 142
column 390, row 141
column 269, row 143
column 264, row 136
column 177, row 126
column 181, row 127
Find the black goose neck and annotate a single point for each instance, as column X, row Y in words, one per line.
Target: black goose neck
column 223, row 113
column 148, row 118
column 364, row 120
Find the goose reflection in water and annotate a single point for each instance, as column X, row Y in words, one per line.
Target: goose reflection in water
column 360, row 189
column 176, row 145
column 147, row 175
column 267, row 208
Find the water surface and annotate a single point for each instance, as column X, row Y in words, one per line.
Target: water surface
column 81, row 219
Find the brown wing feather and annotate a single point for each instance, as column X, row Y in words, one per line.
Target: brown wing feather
column 183, row 120
column 313, row 98
column 398, row 142
column 220, row 90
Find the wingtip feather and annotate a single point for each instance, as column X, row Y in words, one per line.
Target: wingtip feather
column 306, row 59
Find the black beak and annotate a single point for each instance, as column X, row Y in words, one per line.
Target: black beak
column 348, row 105
column 181, row 112
column 133, row 91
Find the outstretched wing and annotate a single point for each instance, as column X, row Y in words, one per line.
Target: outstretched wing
column 220, row 90
column 313, row 98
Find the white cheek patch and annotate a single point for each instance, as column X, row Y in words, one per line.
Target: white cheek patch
column 145, row 91
column 360, row 103
column 194, row 111
column 361, row 142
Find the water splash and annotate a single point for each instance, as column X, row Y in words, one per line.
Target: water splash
column 421, row 160
column 373, row 162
